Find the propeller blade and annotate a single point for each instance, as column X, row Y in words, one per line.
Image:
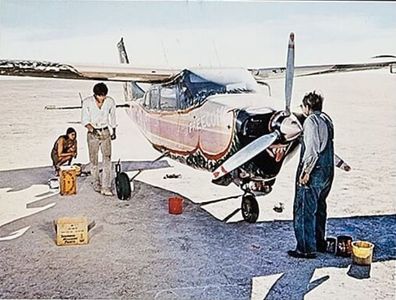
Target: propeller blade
column 245, row 154
column 289, row 72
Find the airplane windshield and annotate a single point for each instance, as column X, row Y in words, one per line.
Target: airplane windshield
column 203, row 83
column 201, row 88
column 190, row 90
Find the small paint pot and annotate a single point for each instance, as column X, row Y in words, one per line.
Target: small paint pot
column 344, row 245
column 175, row 205
column 331, row 245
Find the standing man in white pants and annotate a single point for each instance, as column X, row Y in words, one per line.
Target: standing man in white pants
column 99, row 117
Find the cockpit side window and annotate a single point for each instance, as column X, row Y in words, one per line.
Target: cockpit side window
column 154, row 98
column 168, row 98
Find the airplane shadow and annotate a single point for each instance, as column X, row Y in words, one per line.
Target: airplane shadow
column 207, row 258
column 269, row 242
column 21, row 179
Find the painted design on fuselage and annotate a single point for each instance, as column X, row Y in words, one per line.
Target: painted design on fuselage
column 207, row 120
column 267, row 165
column 277, row 151
column 199, row 137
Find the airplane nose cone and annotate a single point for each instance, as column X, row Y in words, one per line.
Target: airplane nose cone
column 290, row 128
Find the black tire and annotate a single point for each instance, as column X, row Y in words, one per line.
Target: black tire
column 123, row 186
column 250, row 208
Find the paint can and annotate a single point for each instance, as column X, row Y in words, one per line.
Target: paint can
column 344, row 245
column 362, row 253
column 78, row 168
column 53, row 183
column 331, row 245
column 175, row 205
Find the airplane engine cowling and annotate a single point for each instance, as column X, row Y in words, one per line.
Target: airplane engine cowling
column 288, row 125
column 251, row 126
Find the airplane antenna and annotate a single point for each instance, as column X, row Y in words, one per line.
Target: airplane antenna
column 164, row 51
column 217, row 54
column 81, row 99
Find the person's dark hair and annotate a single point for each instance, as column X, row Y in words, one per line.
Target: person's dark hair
column 100, row 89
column 313, row 101
column 70, row 130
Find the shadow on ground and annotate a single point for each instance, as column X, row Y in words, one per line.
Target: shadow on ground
column 140, row 251
column 21, row 179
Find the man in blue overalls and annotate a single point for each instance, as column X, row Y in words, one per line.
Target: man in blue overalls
column 314, row 177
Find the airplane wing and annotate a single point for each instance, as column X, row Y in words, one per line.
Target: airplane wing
column 279, row 72
column 121, row 73
column 124, row 73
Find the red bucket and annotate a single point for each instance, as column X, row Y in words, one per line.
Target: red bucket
column 175, row 205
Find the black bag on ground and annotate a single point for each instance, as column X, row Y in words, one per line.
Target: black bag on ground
column 123, row 186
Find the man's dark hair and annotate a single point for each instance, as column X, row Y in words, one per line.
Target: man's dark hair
column 313, row 101
column 100, row 89
column 70, row 130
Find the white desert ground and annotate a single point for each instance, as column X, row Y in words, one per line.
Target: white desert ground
column 362, row 106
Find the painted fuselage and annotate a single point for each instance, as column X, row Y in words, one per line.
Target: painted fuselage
column 205, row 132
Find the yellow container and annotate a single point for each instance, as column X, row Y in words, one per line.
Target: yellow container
column 362, row 252
column 71, row 231
column 68, row 181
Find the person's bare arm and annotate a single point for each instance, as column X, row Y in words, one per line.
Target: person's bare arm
column 60, row 152
column 89, row 127
column 75, row 149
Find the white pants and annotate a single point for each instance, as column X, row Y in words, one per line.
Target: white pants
column 101, row 140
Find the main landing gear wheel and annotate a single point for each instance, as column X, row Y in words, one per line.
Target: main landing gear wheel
column 250, row 208
column 123, row 186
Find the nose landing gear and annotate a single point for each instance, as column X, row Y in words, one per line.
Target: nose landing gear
column 250, row 208
column 252, row 187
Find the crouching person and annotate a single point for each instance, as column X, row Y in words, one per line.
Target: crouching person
column 65, row 149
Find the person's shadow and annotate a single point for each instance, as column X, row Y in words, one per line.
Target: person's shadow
column 376, row 229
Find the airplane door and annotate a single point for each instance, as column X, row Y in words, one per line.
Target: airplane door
column 153, row 118
column 169, row 118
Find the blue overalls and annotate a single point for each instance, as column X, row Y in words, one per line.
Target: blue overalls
column 309, row 214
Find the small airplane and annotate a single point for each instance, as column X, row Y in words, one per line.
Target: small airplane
column 213, row 119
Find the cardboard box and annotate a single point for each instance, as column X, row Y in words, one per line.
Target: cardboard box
column 71, row 231
column 68, row 181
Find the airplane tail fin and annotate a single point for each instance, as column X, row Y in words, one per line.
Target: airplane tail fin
column 131, row 90
column 122, row 51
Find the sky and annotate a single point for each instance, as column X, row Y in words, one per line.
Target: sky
column 196, row 33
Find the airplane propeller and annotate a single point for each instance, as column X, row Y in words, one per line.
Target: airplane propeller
column 284, row 126
column 246, row 154
column 289, row 73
